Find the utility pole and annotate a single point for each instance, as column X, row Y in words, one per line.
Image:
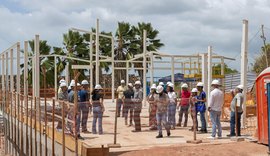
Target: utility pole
column 264, row 44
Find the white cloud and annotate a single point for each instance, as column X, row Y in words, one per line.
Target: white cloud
column 184, row 26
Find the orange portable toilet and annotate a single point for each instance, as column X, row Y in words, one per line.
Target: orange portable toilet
column 263, row 99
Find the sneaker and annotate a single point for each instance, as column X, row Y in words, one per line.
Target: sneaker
column 178, row 125
column 159, row 136
column 212, row 138
column 220, row 137
column 230, row 135
column 80, row 137
column 136, row 130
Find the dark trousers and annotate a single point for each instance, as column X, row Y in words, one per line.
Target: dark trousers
column 232, row 123
column 128, row 108
column 119, row 106
column 183, row 111
column 137, row 119
column 83, row 115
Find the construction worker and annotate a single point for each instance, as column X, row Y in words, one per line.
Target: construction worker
column 84, row 105
column 63, row 95
column 128, row 104
column 163, row 85
column 162, row 101
column 184, row 105
column 193, row 112
column 98, row 109
column 61, row 81
column 120, row 91
column 69, row 87
column 172, row 105
column 152, row 108
column 71, row 111
column 236, row 106
column 200, row 106
column 216, row 101
column 137, row 101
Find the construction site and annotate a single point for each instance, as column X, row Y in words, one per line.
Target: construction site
column 30, row 107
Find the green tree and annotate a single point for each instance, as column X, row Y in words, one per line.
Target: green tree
column 260, row 62
column 153, row 43
column 227, row 70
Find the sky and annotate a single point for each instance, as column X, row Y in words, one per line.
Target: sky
column 185, row 26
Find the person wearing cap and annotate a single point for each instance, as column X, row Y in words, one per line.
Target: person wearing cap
column 216, row 101
column 236, row 106
column 162, row 101
column 98, row 109
column 137, row 101
column 184, row 105
column 71, row 110
column 128, row 104
column 63, row 95
column 61, row 81
column 152, row 108
column 200, row 106
column 120, row 91
column 193, row 112
column 164, row 87
column 83, row 105
column 172, row 105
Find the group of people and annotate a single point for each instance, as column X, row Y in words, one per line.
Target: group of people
column 163, row 105
column 66, row 93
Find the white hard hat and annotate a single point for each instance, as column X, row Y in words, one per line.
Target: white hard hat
column 215, row 82
column 184, row 85
column 168, row 82
column 159, row 89
column 161, row 84
column 69, row 87
column 78, row 84
column 72, row 84
column 63, row 84
column 138, row 83
column 130, row 84
column 154, row 86
column 171, row 85
column 199, row 84
column 98, row 86
column 62, row 81
column 240, row 87
column 122, row 81
column 85, row 82
column 194, row 90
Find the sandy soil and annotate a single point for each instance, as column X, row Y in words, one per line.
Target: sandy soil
column 225, row 149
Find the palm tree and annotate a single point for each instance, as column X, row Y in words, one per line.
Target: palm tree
column 260, row 61
column 153, row 44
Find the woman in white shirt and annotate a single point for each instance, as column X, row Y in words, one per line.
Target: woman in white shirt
column 172, row 105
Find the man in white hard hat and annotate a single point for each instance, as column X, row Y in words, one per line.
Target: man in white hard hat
column 120, row 91
column 61, row 81
column 128, row 104
column 137, row 101
column 63, row 95
column 236, row 107
column 184, row 104
column 193, row 112
column 83, row 105
column 216, row 101
column 162, row 101
column 200, row 106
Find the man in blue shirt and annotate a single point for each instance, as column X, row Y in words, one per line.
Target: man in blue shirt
column 84, row 105
column 200, row 106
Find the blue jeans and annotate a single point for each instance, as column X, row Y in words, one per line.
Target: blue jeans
column 203, row 121
column 232, row 123
column 215, row 119
column 171, row 114
column 162, row 119
column 97, row 115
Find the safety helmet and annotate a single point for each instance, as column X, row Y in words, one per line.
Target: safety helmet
column 159, row 89
column 154, row 86
column 240, row 87
column 62, row 81
column 63, row 84
column 215, row 82
column 85, row 82
column 194, row 90
column 98, row 86
column 122, row 81
column 168, row 82
column 199, row 84
column 171, row 85
column 138, row 83
column 184, row 85
column 130, row 85
column 161, row 84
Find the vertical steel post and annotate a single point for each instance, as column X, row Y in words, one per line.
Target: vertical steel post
column 40, row 130
column 31, row 127
column 97, row 52
column 172, row 68
column 55, row 78
column 113, row 70
column 63, row 129
column 209, row 79
column 25, row 79
column 144, row 66
column 53, row 108
column 35, row 123
column 152, row 68
column 91, row 62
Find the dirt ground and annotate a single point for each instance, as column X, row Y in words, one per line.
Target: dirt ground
column 225, row 149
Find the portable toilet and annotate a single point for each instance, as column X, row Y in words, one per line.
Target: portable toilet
column 263, row 100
